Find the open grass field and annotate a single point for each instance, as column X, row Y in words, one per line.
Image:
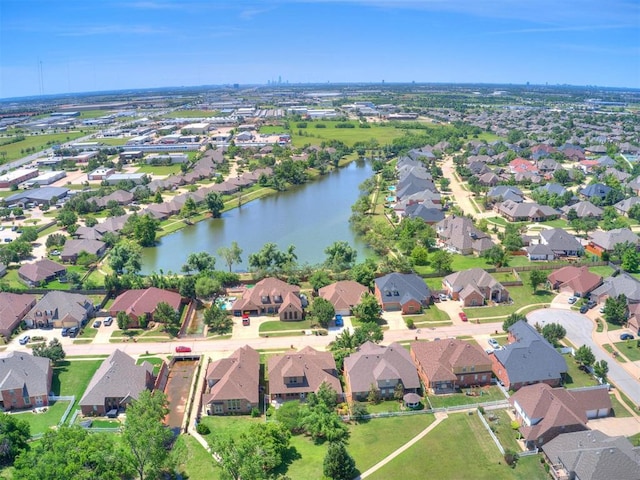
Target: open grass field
column 39, row 142
column 481, row 395
column 113, row 141
column 163, row 170
column 458, row 448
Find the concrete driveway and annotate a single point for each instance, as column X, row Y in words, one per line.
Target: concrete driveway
column 579, row 332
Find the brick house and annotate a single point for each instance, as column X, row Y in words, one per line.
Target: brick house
column 270, row 296
column 25, row 381
column 406, row 292
column 142, row 303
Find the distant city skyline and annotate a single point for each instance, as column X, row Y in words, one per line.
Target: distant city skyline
column 54, row 47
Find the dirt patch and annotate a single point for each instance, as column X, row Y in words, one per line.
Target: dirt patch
column 177, row 390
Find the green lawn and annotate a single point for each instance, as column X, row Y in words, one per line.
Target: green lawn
column 155, row 361
column 575, row 377
column 431, row 314
column 614, row 354
column 278, row 326
column 619, row 411
column 159, row 169
column 41, row 422
column 116, row 142
column 604, row 271
column 635, row 439
column 630, row 349
column 39, row 142
column 483, row 394
column 194, row 462
column 191, row 114
column 72, row 377
column 500, row 423
column 458, row 448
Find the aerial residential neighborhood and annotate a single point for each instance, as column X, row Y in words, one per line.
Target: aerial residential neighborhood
column 394, row 259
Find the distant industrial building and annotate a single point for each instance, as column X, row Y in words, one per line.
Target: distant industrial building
column 101, row 173
column 17, row 176
column 46, row 178
column 162, row 158
column 38, row 196
column 115, row 178
column 196, row 128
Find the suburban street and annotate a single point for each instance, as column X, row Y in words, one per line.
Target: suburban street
column 579, row 332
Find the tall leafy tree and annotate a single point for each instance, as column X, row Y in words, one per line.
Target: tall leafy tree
column 585, row 356
column 340, row 256
column 199, row 262
column 166, row 314
column 217, row 320
column 338, row 464
column 601, row 369
column 537, row 277
column 553, row 333
column 53, row 351
column 511, row 319
column 214, row 203
column 318, row 279
column 126, row 256
column 231, row 255
column 616, row 310
column 14, row 438
column 323, row 311
column 441, row 261
column 145, row 437
column 368, row 310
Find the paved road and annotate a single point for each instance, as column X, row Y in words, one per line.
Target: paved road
column 579, row 332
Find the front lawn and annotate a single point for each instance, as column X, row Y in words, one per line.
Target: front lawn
column 520, row 296
column 619, row 410
column 629, row 348
column 278, row 326
column 459, row 448
column 193, row 460
column 429, row 315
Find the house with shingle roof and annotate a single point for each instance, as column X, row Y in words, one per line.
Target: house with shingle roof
column 526, row 211
column 459, row 235
column 593, row 455
column 380, row 367
column 117, row 382
column 474, row 287
column 270, row 295
column 343, row 295
column 601, row 241
column 72, row 248
column 41, row 271
column 612, row 287
column 59, row 309
column 623, row 206
column 595, row 190
column 538, row 251
column 141, row 304
column 406, row 292
column 545, row 412
column 429, row 214
column 583, row 209
column 294, row 375
column 502, row 193
column 13, row 308
column 527, row 359
column 25, row 381
column 562, row 243
column 578, row 281
column 449, row 364
column 233, row 383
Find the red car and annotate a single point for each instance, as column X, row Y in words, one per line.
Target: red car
column 183, row 349
column 463, row 316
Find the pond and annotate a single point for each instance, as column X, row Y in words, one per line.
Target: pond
column 311, row 217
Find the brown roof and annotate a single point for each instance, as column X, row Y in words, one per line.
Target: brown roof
column 235, row 377
column 344, row 294
column 269, row 292
column 141, row 302
column 440, row 358
column 316, row 367
column 375, row 363
column 557, row 407
column 40, row 270
column 578, row 278
column 13, row 307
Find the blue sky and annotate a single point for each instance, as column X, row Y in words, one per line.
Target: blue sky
column 89, row 45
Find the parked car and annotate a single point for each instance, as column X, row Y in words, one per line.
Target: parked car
column 626, row 336
column 64, row 332
column 246, row 320
column 572, row 300
column 108, row 321
column 339, row 321
column 601, row 309
column 24, row 340
column 73, row 332
column 183, row 349
column 97, row 324
column 443, row 297
column 591, row 303
column 463, row 316
column 584, row 308
column 494, row 344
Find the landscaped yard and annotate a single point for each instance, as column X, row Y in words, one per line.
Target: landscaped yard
column 619, row 411
column 630, row 349
column 155, row 361
column 72, row 377
column 159, row 169
column 521, row 297
column 478, row 395
column 500, row 423
column 429, row 315
column 459, row 448
column 41, row 422
column 575, row 377
column 278, row 326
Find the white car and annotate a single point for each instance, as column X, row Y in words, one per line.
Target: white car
column 494, row 344
column 572, row 300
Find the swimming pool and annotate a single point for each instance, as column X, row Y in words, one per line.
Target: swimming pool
column 392, row 188
column 391, row 199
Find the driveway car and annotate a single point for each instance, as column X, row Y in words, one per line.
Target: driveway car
column 183, row 349
column 24, row 340
column 463, row 316
column 572, row 300
column 626, row 336
column 591, row 303
column 97, row 324
column 73, row 332
column 494, row 344
column 108, row 321
column 443, row 297
column 339, row 321
column 584, row 308
column 65, row 332
column 245, row 320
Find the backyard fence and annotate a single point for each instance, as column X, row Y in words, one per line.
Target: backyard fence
column 67, row 398
column 493, row 435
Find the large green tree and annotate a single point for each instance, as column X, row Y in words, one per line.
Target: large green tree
column 368, row 310
column 199, row 262
column 14, row 438
column 126, row 256
column 53, row 351
column 511, row 319
column 217, row 320
column 616, row 310
column 584, row 356
column 340, row 256
column 322, row 311
column 231, row 255
column 166, row 314
column 537, row 277
column 214, row 203
column 553, row 333
column 145, row 437
column 441, row 261
column 338, row 464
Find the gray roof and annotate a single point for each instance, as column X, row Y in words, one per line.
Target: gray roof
column 560, row 240
column 531, row 358
column 592, row 455
column 20, row 370
column 42, row 194
column 376, row 363
column 476, row 277
column 554, row 188
column 74, row 306
column 583, row 209
column 595, row 190
column 117, row 377
column 539, row 249
column 403, row 286
column 615, row 286
column 506, row 193
column 429, row 215
column 626, row 204
column 608, row 240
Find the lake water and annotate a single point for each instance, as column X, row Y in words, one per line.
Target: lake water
column 311, row 217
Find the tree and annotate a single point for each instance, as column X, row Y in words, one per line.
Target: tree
column 14, row 438
column 73, row 453
column 206, row 287
column 123, row 319
column 199, row 262
column 166, row 314
column 585, row 356
column 145, row 436
column 125, row 257
column 398, row 391
column 364, row 273
column 231, row 254
column 441, row 261
column 511, row 319
column 318, row 279
column 512, row 242
column 553, row 333
column 319, row 419
column 217, row 320
column 368, row 332
column 323, row 311
column 214, row 203
column 616, row 310
column 53, row 351
column 374, row 396
column 338, row 464
column 272, row 260
column 601, row 369
column 340, row 256
column 630, row 260
column 368, row 310
column 537, row 277
column 496, row 256
column 66, row 218
column 29, row 234
column 420, row 255
column 142, row 228
column 189, row 208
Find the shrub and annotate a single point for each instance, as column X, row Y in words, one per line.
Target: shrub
column 202, row 429
column 255, row 412
column 409, row 323
column 481, row 410
column 511, row 458
column 515, row 425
